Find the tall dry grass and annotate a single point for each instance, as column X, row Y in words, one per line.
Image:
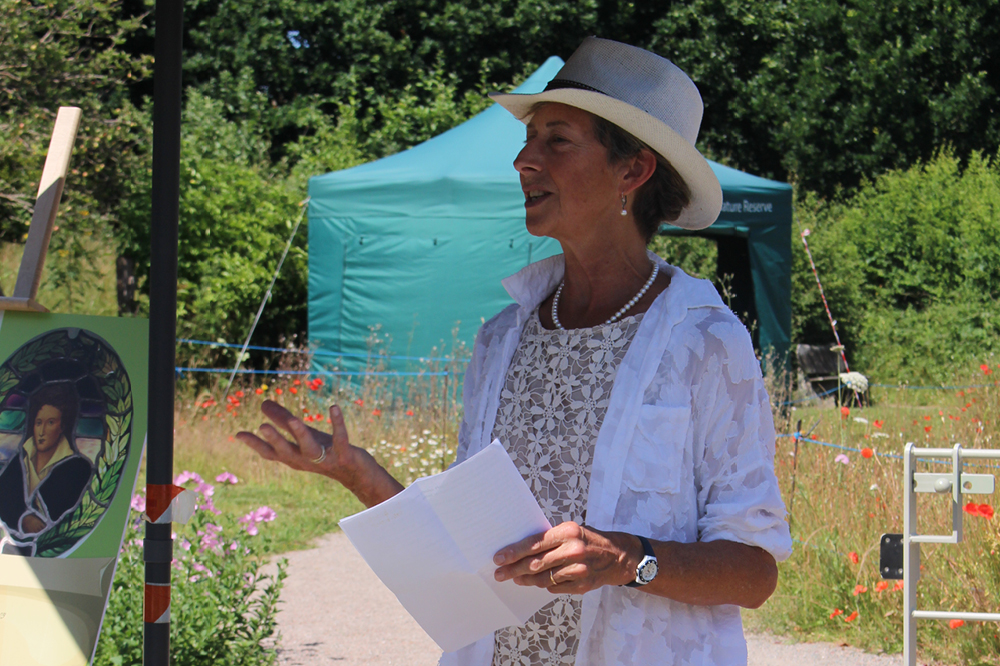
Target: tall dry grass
column 409, row 423
column 848, row 491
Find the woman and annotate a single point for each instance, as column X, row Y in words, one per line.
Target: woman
column 46, row 481
column 628, row 395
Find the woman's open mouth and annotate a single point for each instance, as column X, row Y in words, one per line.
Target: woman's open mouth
column 535, row 197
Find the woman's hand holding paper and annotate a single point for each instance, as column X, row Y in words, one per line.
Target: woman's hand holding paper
column 570, row 559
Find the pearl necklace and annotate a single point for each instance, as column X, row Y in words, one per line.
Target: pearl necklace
column 615, row 316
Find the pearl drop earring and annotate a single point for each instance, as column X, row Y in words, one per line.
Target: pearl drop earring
column 624, row 201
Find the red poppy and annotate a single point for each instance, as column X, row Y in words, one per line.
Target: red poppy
column 986, row 369
column 850, row 618
column 409, row 412
column 278, row 391
column 955, row 624
column 961, row 394
column 927, row 418
column 881, row 586
column 898, row 585
column 835, row 613
column 239, row 394
column 296, row 382
column 853, row 557
column 867, row 453
column 258, row 391
column 927, row 428
column 986, row 511
column 359, row 402
column 293, row 390
column 859, row 589
column 879, row 423
column 844, row 412
column 971, row 508
column 376, row 412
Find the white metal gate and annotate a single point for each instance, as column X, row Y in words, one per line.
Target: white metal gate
column 906, row 546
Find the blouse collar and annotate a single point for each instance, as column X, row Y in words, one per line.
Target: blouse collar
column 532, row 284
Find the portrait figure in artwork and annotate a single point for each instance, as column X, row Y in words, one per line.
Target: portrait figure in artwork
column 49, row 476
column 65, row 425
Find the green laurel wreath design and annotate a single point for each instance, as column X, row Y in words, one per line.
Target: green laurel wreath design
column 114, row 382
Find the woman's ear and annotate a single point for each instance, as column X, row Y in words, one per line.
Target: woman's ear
column 639, row 169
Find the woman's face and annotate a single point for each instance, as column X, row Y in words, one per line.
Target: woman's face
column 48, row 428
column 570, row 189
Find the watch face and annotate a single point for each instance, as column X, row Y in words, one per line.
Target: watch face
column 647, row 572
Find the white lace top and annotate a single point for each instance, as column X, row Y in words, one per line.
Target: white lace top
column 551, row 407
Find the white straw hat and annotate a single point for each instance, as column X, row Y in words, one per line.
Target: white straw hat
column 648, row 97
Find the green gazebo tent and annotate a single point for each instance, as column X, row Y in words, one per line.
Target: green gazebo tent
column 417, row 243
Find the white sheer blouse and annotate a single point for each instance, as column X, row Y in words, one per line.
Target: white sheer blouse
column 684, row 453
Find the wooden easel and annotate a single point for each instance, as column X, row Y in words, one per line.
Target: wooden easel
column 50, row 189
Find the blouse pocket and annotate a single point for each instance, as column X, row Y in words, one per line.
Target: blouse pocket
column 655, row 461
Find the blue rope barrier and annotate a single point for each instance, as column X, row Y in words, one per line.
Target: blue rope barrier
column 229, row 345
column 938, row 461
column 931, row 388
column 327, row 373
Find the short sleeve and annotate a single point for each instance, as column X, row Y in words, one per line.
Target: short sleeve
column 738, row 495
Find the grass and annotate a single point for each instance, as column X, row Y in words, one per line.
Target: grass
column 839, row 511
column 411, row 429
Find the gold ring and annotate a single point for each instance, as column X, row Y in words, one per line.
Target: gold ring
column 552, row 578
column 321, row 458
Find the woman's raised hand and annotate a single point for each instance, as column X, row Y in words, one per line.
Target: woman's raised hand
column 313, row 450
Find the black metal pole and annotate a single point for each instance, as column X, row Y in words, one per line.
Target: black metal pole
column 158, row 546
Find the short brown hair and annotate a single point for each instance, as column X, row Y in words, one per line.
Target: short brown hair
column 662, row 197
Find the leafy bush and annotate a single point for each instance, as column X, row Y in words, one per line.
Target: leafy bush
column 223, row 603
column 911, row 269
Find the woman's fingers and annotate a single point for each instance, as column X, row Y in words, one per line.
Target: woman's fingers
column 260, row 447
column 565, row 559
column 302, row 453
column 341, row 442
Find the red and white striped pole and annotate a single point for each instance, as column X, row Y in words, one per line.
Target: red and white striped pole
column 833, row 322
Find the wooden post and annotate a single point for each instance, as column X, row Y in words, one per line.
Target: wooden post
column 50, row 189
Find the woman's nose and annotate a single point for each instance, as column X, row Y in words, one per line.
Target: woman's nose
column 527, row 160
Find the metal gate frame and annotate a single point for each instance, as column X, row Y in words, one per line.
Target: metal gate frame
column 956, row 482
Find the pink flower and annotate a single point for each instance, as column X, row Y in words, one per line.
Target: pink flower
column 264, row 514
column 138, row 503
column 842, row 459
column 227, row 477
column 186, row 476
column 205, row 489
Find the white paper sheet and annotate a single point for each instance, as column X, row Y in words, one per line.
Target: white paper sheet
column 433, row 545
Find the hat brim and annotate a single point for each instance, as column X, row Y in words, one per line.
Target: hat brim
column 706, row 193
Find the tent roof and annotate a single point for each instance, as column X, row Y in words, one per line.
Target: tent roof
column 394, row 242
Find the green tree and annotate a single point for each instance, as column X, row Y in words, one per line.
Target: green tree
column 911, row 269
column 68, row 53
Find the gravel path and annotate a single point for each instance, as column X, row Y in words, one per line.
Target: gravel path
column 336, row 611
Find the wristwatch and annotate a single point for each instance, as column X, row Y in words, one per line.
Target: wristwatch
column 648, row 567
